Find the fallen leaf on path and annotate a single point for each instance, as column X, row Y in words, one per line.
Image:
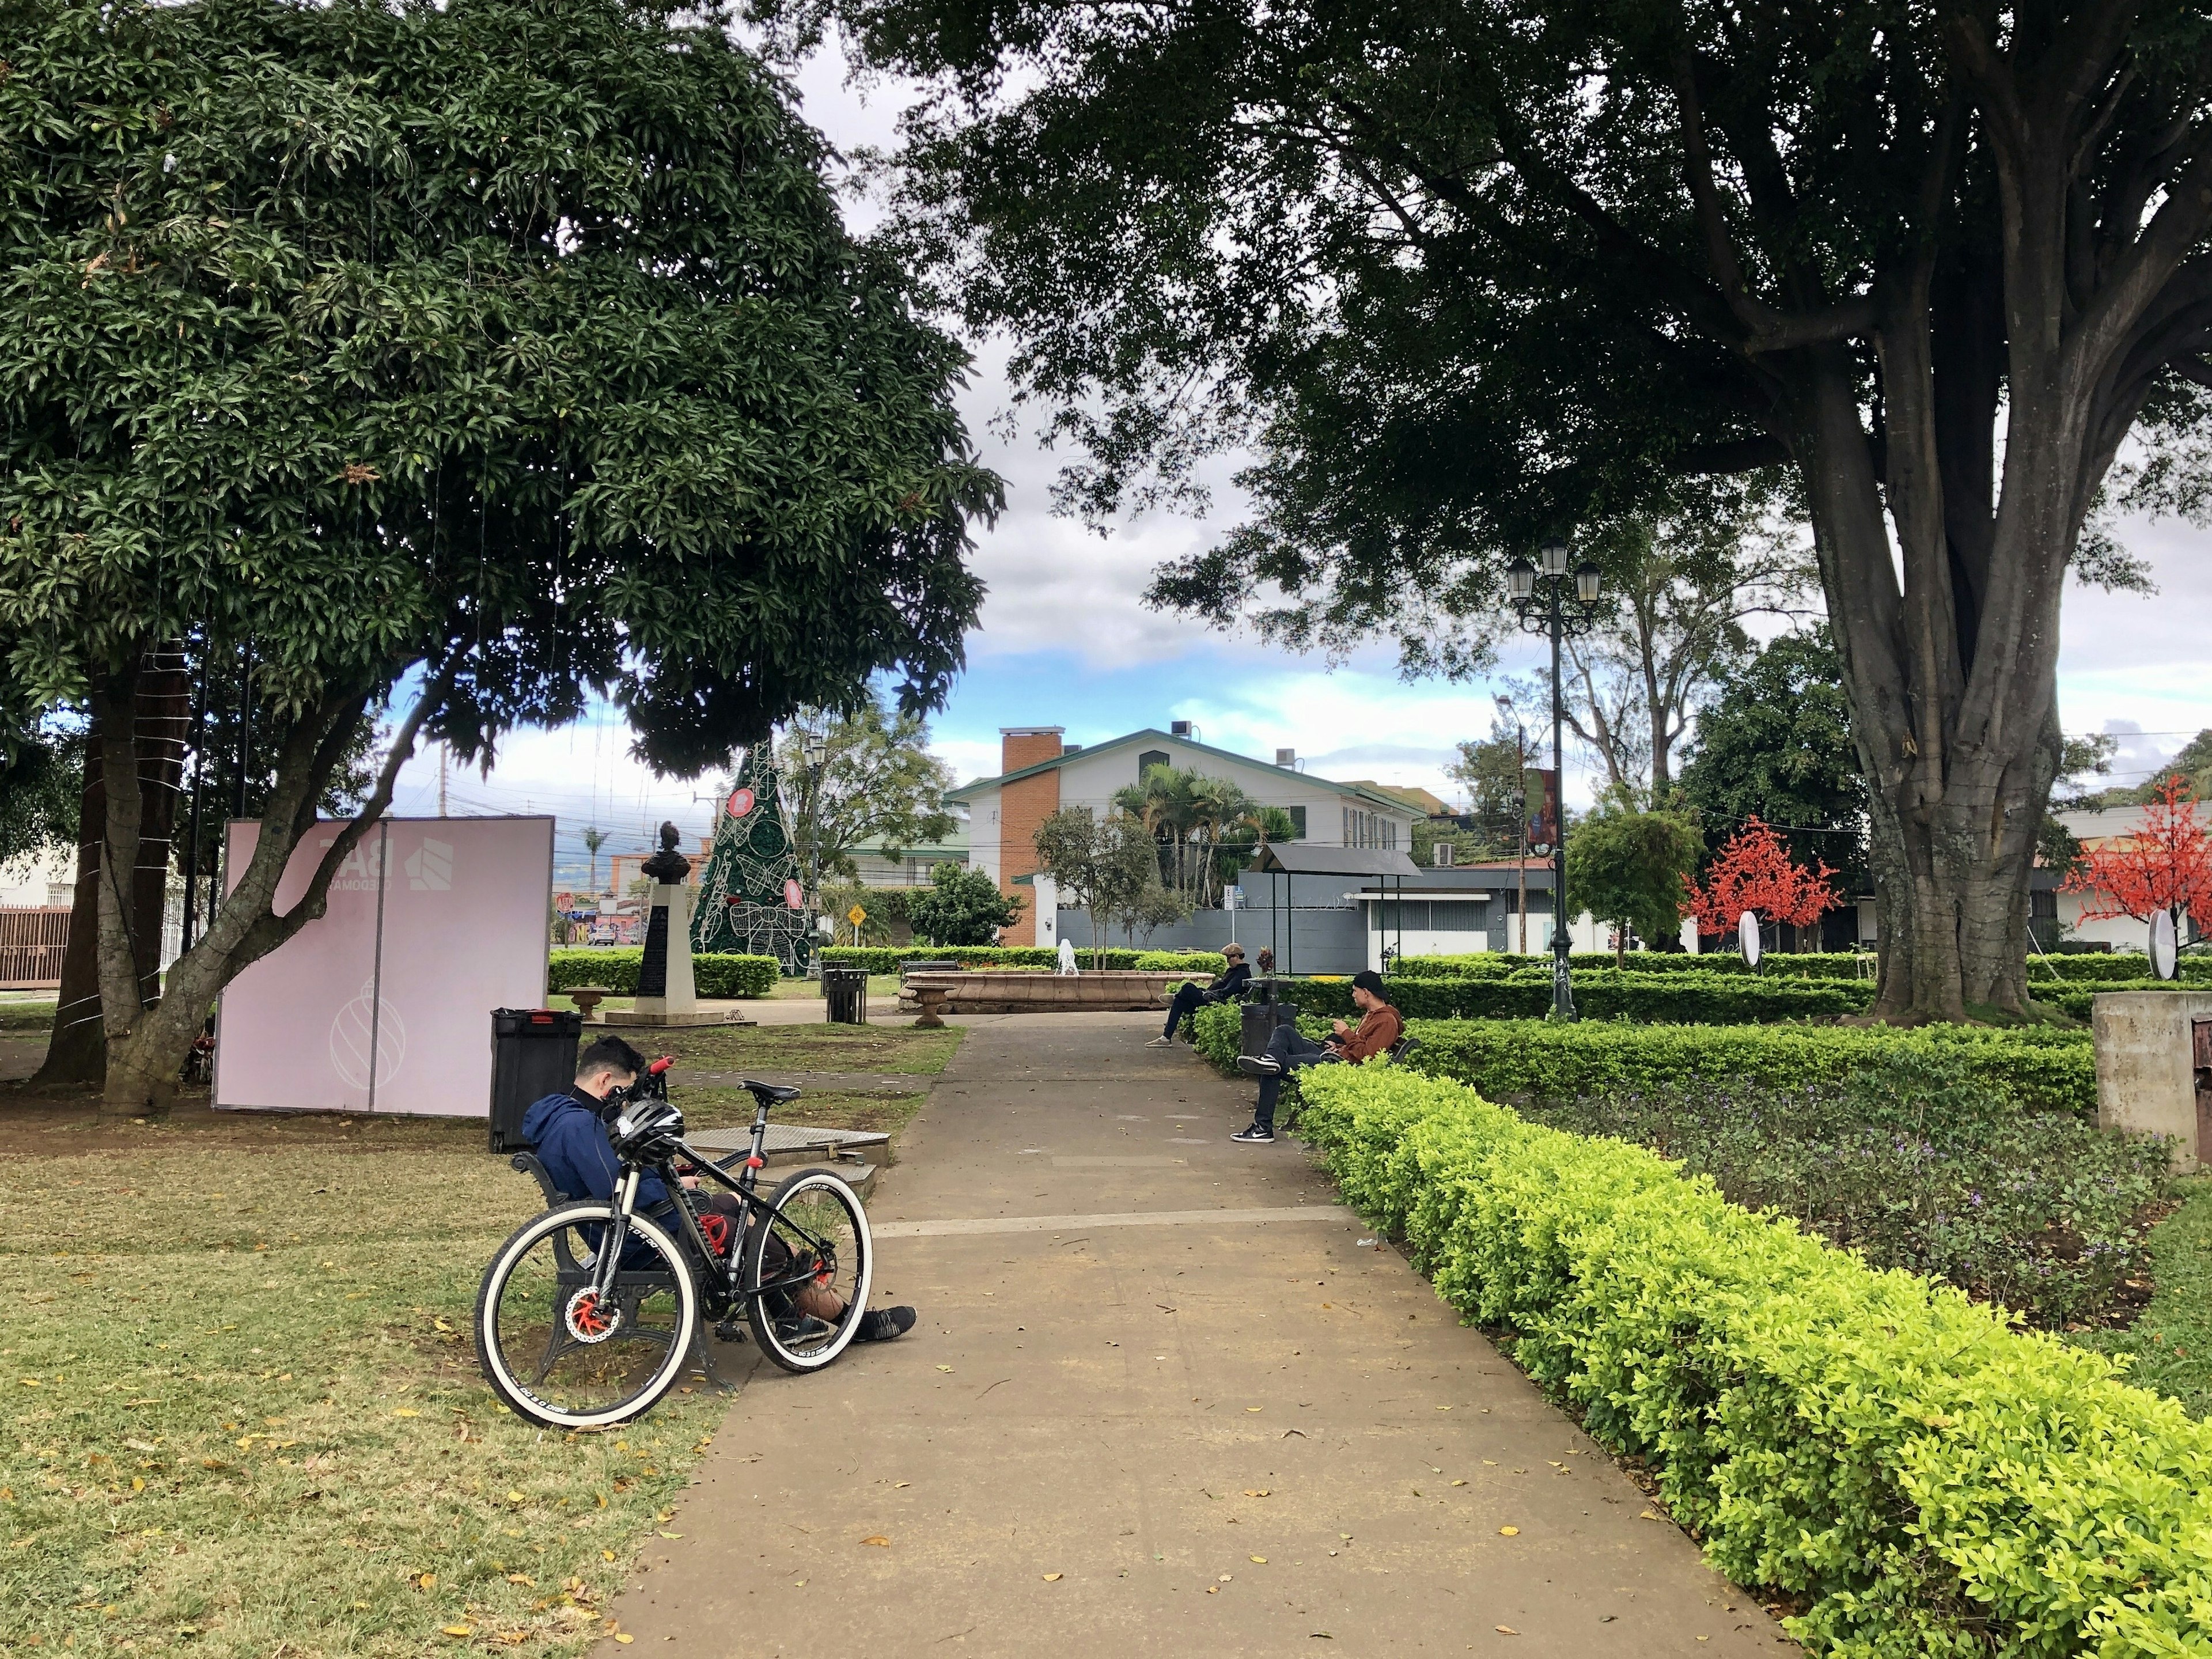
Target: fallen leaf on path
column 624, row 1636
column 1508, row 1532
column 1051, row 1579
column 1261, row 1492
column 1507, row 1630
column 454, row 1630
column 1459, row 1483
column 671, row 1534
column 406, row 1411
column 1647, row 1515
column 1251, row 1408
column 879, row 1540
column 1260, row 1559
column 945, row 1368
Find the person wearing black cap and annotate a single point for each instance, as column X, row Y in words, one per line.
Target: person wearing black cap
column 1288, row 1050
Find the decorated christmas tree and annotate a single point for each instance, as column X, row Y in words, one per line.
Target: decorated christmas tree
column 749, row 899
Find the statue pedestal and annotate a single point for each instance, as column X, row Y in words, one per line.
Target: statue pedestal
column 664, row 992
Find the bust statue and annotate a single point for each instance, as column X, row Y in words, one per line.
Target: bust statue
column 668, row 865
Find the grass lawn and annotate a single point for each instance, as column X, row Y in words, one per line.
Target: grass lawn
column 2169, row 1345
column 24, row 1016
column 884, row 1048
column 245, row 1415
column 245, row 1418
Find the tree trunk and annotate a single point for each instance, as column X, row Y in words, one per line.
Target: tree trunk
column 145, row 1059
column 156, row 722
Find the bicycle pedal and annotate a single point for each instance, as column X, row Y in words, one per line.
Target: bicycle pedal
column 730, row 1331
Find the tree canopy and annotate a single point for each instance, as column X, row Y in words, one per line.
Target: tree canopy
column 486, row 357
column 1464, row 275
column 875, row 783
column 1632, row 869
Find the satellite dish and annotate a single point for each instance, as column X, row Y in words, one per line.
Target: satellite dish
column 2161, row 945
column 1746, row 937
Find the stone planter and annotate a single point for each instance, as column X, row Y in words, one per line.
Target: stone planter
column 999, row 991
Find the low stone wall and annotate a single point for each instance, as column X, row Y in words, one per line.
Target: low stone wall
column 997, row 990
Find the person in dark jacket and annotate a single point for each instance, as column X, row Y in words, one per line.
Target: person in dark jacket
column 1229, row 988
column 568, row 1131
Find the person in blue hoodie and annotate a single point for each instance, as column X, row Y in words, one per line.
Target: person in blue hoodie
column 568, row 1131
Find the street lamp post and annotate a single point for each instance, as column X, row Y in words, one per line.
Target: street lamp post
column 1540, row 599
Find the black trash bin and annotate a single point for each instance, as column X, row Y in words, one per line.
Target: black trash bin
column 533, row 1054
column 1260, row 1019
column 845, row 990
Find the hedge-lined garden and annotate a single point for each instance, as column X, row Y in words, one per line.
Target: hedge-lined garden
column 617, row 970
column 1919, row 1476
column 883, row 959
column 1533, row 1059
column 1708, row 999
column 2120, row 969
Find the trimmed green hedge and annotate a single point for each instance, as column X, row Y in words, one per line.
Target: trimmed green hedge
column 886, row 960
column 2039, row 1065
column 1921, row 1477
column 617, row 970
column 1486, row 964
column 1602, row 993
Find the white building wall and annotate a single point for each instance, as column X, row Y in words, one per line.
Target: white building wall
column 983, row 834
column 1092, row 778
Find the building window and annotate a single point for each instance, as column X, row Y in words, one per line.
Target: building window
column 1298, row 822
column 1148, row 760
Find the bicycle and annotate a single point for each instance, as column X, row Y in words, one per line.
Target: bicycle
column 589, row 1311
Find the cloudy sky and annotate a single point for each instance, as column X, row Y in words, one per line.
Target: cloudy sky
column 1065, row 642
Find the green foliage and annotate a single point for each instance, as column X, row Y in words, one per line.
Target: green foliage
column 504, row 355
column 1914, row 1164
column 882, row 960
column 617, row 970
column 1633, row 869
column 1106, row 865
column 875, row 784
column 1918, row 1477
column 1494, row 771
column 2169, row 1347
column 1776, row 745
column 2042, row 1066
column 41, row 787
column 961, row 906
column 1604, row 994
column 1480, row 964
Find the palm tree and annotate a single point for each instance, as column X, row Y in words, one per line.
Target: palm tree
column 594, row 839
column 1161, row 801
column 1215, row 804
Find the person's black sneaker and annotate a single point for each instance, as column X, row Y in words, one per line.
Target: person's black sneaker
column 1253, row 1135
column 1259, row 1066
column 885, row 1323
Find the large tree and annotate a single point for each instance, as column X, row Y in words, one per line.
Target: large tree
column 465, row 360
column 865, row 777
column 1466, row 273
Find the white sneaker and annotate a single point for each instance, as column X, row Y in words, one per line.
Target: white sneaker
column 1161, row 1043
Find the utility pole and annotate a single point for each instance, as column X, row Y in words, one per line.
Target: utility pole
column 444, row 748
column 1520, row 860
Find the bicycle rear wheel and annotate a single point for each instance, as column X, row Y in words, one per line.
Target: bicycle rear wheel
column 557, row 1353
column 811, row 1251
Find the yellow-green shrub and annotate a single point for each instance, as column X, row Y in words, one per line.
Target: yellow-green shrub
column 1924, row 1479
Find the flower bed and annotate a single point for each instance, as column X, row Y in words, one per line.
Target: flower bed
column 617, row 970
column 1919, row 1477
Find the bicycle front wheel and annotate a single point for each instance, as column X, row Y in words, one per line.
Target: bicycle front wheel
column 809, row 1265
column 558, row 1352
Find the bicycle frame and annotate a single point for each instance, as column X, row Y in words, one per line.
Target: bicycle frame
column 743, row 1185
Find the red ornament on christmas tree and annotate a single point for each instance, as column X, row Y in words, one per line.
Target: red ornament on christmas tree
column 2165, row 865
column 1754, row 872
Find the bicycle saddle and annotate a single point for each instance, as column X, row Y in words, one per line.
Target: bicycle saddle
column 776, row 1092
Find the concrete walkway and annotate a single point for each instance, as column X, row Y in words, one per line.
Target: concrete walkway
column 1162, row 1400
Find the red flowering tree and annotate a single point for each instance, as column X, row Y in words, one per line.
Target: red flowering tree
column 1754, row 872
column 2165, row 865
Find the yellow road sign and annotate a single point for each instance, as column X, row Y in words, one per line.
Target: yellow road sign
column 856, row 915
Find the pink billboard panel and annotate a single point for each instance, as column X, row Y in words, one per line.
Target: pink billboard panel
column 384, row 1003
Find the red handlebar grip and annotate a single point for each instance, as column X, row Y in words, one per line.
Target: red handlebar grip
column 660, row 1065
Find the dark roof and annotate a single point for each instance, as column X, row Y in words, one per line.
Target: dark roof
column 1299, row 858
